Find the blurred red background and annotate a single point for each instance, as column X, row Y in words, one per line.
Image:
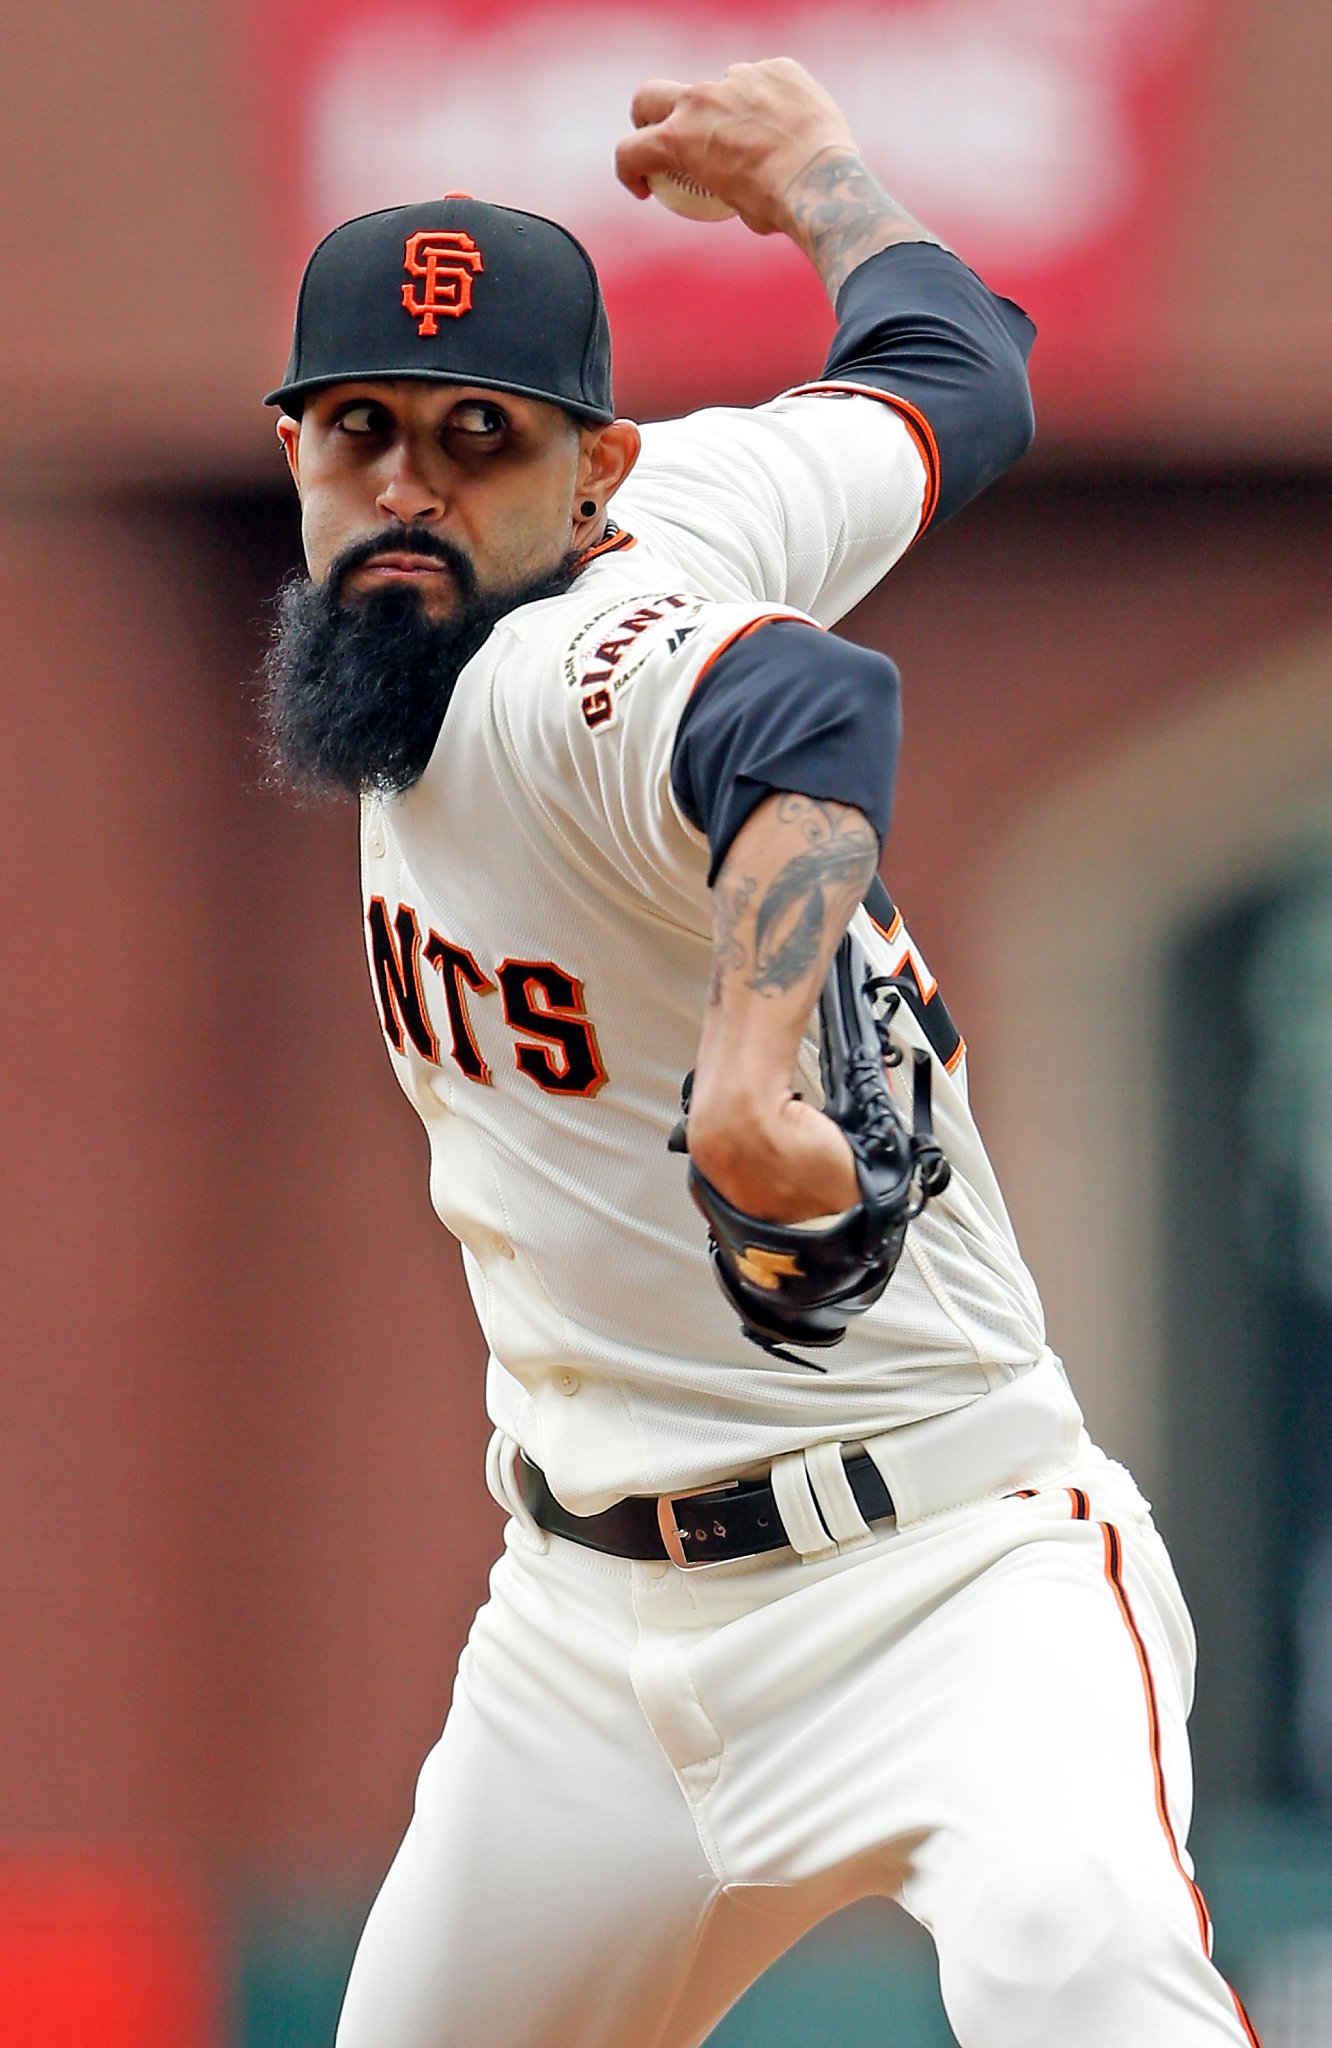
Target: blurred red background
column 1060, row 147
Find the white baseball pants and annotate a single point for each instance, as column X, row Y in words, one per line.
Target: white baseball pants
column 652, row 1782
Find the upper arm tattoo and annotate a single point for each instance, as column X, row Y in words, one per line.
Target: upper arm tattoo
column 802, row 908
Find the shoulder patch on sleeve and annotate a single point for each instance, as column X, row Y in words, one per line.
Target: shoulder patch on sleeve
column 611, row 647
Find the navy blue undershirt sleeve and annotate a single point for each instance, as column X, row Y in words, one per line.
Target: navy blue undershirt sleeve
column 914, row 321
column 787, row 708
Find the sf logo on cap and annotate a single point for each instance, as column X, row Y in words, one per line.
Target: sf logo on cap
column 446, row 263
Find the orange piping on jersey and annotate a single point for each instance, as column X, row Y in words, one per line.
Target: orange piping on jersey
column 1081, row 1505
column 742, row 633
column 916, row 425
column 1242, row 2016
column 927, row 995
column 1114, row 1572
column 611, row 545
column 890, row 933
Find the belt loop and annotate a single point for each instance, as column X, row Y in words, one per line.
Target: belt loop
column 502, row 1480
column 832, row 1493
column 795, row 1504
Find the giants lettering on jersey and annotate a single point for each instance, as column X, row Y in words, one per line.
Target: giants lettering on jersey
column 612, row 647
column 542, row 1005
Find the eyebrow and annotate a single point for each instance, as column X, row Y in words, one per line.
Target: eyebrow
column 376, row 394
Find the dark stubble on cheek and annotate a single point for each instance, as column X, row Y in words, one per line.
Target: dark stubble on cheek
column 354, row 697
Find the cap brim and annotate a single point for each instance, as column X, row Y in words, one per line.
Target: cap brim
column 285, row 394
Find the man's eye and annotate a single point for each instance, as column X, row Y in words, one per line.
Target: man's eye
column 476, row 417
column 363, row 417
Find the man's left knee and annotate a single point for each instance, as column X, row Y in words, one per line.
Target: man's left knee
column 1049, row 1929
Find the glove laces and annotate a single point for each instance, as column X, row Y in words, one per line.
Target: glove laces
column 931, row 1170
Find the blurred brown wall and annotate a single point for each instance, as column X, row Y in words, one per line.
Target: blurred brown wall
column 134, row 319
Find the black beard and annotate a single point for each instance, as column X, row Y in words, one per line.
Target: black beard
column 353, row 699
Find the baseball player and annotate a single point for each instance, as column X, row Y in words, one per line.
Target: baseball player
column 799, row 1603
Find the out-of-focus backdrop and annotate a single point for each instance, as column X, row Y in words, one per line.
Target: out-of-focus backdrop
column 242, row 1519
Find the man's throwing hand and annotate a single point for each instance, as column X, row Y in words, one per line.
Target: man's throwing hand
column 745, row 137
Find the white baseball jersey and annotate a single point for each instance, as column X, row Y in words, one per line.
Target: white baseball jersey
column 539, row 929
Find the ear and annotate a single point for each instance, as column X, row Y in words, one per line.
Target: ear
column 605, row 457
column 289, row 434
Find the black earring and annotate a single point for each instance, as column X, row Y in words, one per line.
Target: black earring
column 588, row 507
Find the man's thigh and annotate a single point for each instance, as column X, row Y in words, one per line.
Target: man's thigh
column 985, row 1717
column 551, row 1890
column 1057, row 1883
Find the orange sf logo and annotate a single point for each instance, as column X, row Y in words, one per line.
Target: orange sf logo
column 446, row 263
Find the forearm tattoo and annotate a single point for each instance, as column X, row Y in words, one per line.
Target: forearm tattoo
column 802, row 909
column 843, row 215
column 731, row 898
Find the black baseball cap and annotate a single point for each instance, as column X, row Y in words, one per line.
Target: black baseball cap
column 457, row 291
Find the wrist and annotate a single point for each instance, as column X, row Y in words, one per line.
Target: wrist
column 805, row 188
column 735, row 1132
column 840, row 215
column 750, row 1172
column 783, row 1168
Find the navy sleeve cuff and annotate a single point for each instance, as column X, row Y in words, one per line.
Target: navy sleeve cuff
column 916, row 324
column 787, row 707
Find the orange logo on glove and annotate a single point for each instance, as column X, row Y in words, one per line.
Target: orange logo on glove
column 767, row 1269
column 446, row 262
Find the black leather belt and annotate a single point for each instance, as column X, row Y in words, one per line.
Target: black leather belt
column 738, row 1519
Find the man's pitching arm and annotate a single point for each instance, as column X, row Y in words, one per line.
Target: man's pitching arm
column 915, row 325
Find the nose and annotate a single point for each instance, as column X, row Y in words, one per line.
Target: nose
column 407, row 492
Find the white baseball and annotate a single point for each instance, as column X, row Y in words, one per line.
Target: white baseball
column 681, row 195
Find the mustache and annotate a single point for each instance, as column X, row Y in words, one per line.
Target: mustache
column 404, row 540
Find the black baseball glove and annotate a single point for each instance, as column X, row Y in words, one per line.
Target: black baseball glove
column 793, row 1285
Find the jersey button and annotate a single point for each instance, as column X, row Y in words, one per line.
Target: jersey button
column 504, row 1248
column 569, row 1383
column 375, row 841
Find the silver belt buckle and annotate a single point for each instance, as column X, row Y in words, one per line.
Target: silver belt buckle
column 670, row 1529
